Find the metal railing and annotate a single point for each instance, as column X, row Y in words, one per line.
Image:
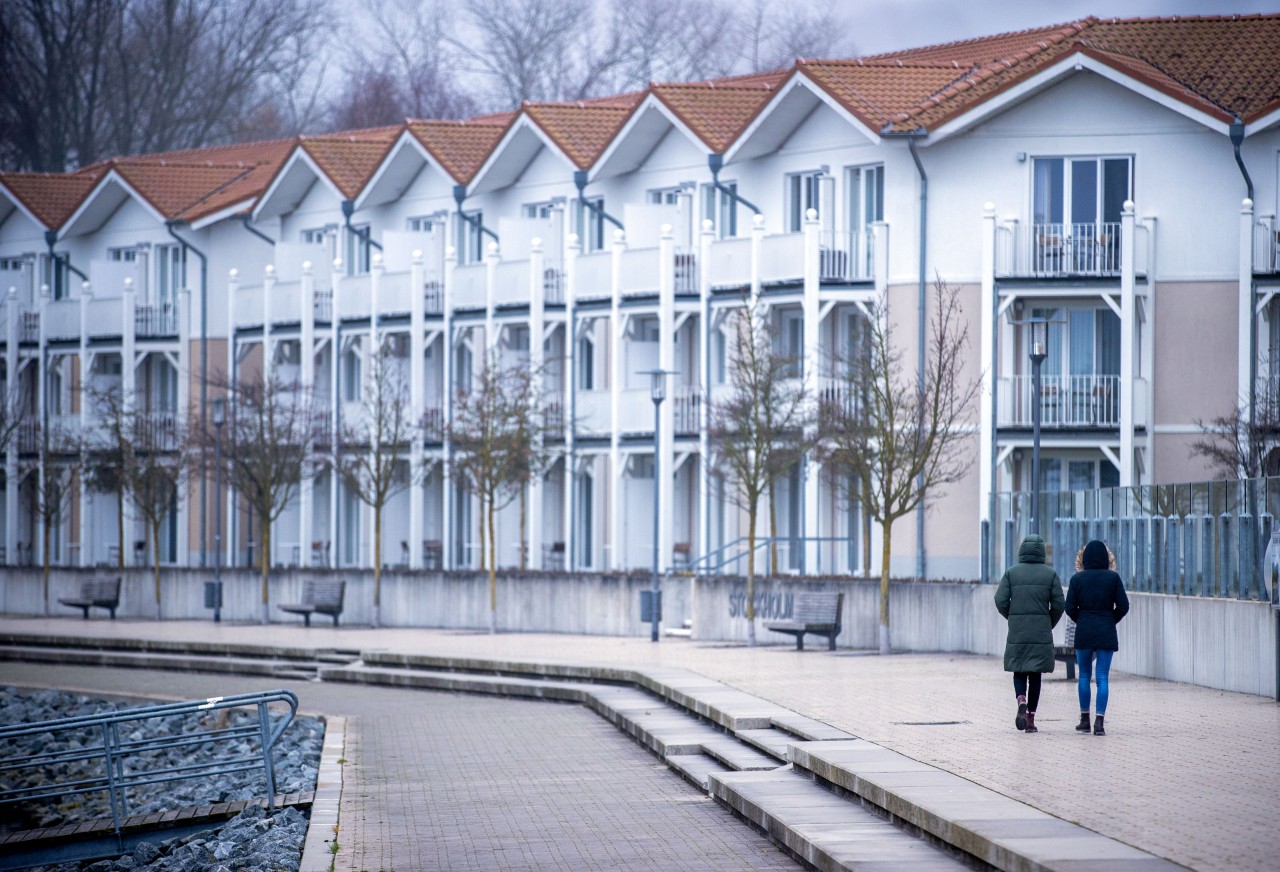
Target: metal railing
column 1266, row 246
column 1196, row 539
column 846, row 255
column 121, row 757
column 322, row 306
column 731, row 558
column 1091, row 400
column 155, row 320
column 1075, row 249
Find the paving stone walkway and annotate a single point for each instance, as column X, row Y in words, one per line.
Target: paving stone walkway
column 1186, row 773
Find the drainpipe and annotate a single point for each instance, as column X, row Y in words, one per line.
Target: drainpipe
column 245, row 222
column 716, row 163
column 204, row 367
column 920, row 330
column 50, row 238
column 580, row 179
column 366, row 235
column 1236, row 132
column 460, row 195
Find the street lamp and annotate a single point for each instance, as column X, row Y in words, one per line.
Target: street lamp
column 1038, row 350
column 658, row 393
column 219, row 418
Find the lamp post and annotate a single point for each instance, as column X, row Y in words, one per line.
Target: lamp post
column 1038, row 350
column 219, row 418
column 658, row 393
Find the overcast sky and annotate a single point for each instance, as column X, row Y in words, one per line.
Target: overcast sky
column 884, row 25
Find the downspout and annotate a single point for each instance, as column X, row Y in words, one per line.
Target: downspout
column 716, row 162
column 920, row 331
column 245, row 222
column 459, row 196
column 366, row 235
column 580, row 179
column 1236, row 132
column 50, row 238
column 204, row 368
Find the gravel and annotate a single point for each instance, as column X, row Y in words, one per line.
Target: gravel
column 254, row 839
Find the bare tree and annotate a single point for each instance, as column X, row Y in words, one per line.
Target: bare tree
column 1240, row 446
column 51, row 473
column 673, row 40
column 761, row 428
column 497, row 451
column 107, row 450
column 899, row 435
column 85, row 79
column 371, row 455
column 267, row 448
column 773, row 35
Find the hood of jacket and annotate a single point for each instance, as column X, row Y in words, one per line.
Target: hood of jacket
column 1032, row 550
column 1095, row 556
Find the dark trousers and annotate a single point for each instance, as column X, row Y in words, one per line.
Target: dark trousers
column 1027, row 683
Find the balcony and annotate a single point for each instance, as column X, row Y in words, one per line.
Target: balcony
column 1068, row 401
column 1059, row 250
column 1266, row 246
column 846, row 256
column 687, row 414
column 158, row 320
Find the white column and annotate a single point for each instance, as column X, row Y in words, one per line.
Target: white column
column 42, row 398
column 128, row 384
column 416, row 410
column 307, row 380
column 86, row 422
column 13, row 316
column 616, row 383
column 490, row 291
column 757, row 234
column 986, row 361
column 446, row 363
column 268, row 352
column 184, row 403
column 810, row 465
column 570, row 386
column 1128, row 329
column 666, row 412
column 537, row 358
column 1244, row 310
column 230, row 521
column 707, row 236
column 335, row 404
column 880, row 255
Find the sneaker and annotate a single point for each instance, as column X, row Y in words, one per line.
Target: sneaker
column 1021, row 720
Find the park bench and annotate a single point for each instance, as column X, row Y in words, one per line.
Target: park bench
column 816, row 613
column 101, row 591
column 322, row 596
column 1067, row 653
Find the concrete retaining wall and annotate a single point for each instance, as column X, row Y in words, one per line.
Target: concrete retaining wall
column 1224, row 644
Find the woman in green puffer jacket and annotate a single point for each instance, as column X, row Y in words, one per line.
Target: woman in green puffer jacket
column 1030, row 597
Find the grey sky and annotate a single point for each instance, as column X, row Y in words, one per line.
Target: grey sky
column 884, row 25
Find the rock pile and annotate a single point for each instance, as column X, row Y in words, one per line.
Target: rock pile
column 252, row 840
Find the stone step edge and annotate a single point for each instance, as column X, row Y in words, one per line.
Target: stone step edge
column 150, row 660
column 976, row 837
column 176, row 646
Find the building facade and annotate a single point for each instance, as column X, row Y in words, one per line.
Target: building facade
column 1118, row 178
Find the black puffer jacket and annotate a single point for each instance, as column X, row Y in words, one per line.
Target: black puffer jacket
column 1096, row 601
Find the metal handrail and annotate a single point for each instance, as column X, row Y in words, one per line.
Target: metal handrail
column 707, row 564
column 116, row 779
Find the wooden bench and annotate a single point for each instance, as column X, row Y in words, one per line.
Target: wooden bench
column 324, row 597
column 816, row 613
column 1067, row 653
column 101, row 591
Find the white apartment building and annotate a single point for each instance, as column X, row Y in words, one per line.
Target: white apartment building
column 1117, row 177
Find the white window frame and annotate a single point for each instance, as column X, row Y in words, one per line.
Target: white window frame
column 803, row 192
column 721, row 209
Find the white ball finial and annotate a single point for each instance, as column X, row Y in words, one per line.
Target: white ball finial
column 989, row 208
column 492, row 248
column 234, row 273
column 1128, row 206
column 417, row 254
column 619, row 236
column 128, row 286
column 708, row 225
column 377, row 258
column 270, row 269
column 536, row 242
column 811, row 214
column 757, row 219
column 337, row 264
column 665, row 229
column 573, row 239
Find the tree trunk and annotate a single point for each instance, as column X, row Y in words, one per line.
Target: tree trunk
column 773, row 532
column 120, row 528
column 155, row 562
column 46, row 522
column 524, row 540
column 493, row 571
column 377, row 564
column 751, row 576
column 885, row 647
column 264, row 535
column 484, row 548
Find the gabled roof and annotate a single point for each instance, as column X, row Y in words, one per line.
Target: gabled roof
column 583, row 130
column 717, row 111
column 461, row 147
column 1221, row 66
column 350, row 158
column 49, row 198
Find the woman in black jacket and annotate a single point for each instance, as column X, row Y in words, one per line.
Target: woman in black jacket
column 1096, row 602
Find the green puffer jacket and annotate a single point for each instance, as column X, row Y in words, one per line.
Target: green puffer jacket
column 1030, row 596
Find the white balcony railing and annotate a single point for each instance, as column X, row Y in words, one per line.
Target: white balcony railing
column 393, row 293
column 640, row 270
column 594, row 276
column 687, row 410
column 286, row 303
column 511, row 283
column 1266, row 245
column 62, row 319
column 1066, row 401
column 1058, row 250
column 591, row 413
column 846, row 256
column 354, row 298
column 469, row 286
column 731, row 263
column 782, row 259
column 322, row 306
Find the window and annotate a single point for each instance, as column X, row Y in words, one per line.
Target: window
column 471, row 238
column 719, row 355
column 12, row 264
column 720, row 209
column 865, row 187
column 56, row 275
column 358, row 246
column 790, row 342
column 123, row 255
column 664, row 196
column 170, row 273
column 803, row 194
column 586, row 364
column 351, row 374
column 644, row 329
column 518, row 338
column 350, row 527
column 591, row 224
column 312, row 236
column 585, row 517
column 1080, row 377
column 423, row 224
column 540, row 210
column 1080, row 190
column 642, row 466
column 1080, row 474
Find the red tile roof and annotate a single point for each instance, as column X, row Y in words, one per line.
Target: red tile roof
column 583, row 130
column 350, row 158
column 718, row 111
column 461, row 147
column 51, row 198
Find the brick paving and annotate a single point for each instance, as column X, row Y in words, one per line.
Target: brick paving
column 445, row 781
column 1185, row 772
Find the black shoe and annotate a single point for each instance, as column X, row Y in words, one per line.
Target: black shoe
column 1097, row 727
column 1083, row 726
column 1021, row 720
column 1031, row 723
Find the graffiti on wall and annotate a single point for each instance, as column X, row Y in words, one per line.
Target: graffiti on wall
column 770, row 606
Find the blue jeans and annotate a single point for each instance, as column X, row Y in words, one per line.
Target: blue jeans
column 1084, row 660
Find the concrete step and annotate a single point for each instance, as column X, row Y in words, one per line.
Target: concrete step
column 695, row 768
column 158, row 660
column 822, row 829
column 993, row 828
